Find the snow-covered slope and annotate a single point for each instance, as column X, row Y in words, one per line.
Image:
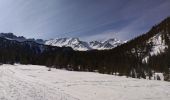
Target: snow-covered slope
column 158, row 45
column 30, row 82
column 77, row 44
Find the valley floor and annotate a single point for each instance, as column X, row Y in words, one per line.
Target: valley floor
column 31, row 82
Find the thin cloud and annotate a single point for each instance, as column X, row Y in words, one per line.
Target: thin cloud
column 81, row 18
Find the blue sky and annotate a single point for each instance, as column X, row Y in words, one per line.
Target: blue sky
column 86, row 19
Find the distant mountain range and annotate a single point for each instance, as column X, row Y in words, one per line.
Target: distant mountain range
column 79, row 45
column 74, row 43
column 11, row 36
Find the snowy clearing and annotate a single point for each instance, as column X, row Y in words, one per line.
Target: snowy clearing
column 31, row 82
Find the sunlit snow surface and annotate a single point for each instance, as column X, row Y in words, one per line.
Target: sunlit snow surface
column 30, row 82
column 158, row 47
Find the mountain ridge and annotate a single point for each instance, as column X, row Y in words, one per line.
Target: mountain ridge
column 74, row 43
column 79, row 45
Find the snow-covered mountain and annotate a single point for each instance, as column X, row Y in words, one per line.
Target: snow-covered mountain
column 107, row 44
column 154, row 43
column 74, row 43
column 79, row 45
column 11, row 36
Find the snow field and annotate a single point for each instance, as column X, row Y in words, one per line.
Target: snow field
column 32, row 82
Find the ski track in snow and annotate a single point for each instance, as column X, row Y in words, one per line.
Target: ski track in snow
column 32, row 82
